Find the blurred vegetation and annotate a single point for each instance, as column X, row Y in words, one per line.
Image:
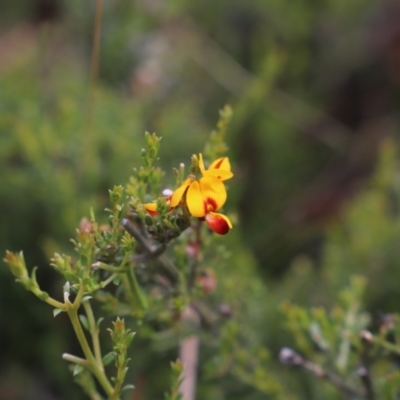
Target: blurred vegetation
column 314, row 88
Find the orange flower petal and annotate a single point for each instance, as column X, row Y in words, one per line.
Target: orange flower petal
column 219, row 223
column 195, row 200
column 178, row 194
column 151, row 208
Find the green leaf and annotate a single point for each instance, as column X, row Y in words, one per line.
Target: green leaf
column 86, row 298
column 70, row 276
column 99, row 321
column 110, row 357
column 129, row 338
column 116, row 281
column 128, row 387
column 92, row 216
column 84, row 322
column 78, row 369
column 57, row 311
column 33, row 276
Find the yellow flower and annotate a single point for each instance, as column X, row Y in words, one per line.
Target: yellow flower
column 207, row 195
column 203, row 196
column 220, row 168
column 151, row 208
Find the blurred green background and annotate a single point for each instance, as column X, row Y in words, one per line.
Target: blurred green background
column 314, row 86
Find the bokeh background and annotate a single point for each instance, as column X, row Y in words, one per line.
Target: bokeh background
column 315, row 90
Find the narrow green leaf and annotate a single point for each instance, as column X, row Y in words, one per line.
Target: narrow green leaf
column 84, row 322
column 70, row 276
column 110, row 357
column 56, row 311
column 78, row 369
column 99, row 321
column 33, row 276
column 116, row 281
column 128, row 387
column 86, row 298
column 92, row 217
column 129, row 338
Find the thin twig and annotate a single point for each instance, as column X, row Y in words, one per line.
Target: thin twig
column 288, row 356
column 364, row 374
column 147, row 245
column 150, row 250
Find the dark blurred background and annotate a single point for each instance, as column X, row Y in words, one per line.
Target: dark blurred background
column 314, row 86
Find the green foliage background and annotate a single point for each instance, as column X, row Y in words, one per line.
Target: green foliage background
column 311, row 211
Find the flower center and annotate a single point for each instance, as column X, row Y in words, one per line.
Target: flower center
column 210, row 205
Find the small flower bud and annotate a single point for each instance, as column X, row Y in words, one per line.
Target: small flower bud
column 167, row 192
column 192, row 249
column 366, row 336
column 207, row 280
column 195, row 164
column 116, row 194
column 288, row 356
column 16, row 263
column 119, row 327
column 177, row 366
column 62, row 263
column 85, row 225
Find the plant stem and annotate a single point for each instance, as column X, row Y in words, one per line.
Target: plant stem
column 79, row 297
column 49, row 300
column 136, row 290
column 75, row 359
column 385, row 344
column 109, row 280
column 150, row 250
column 94, row 332
column 93, row 366
column 120, row 375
